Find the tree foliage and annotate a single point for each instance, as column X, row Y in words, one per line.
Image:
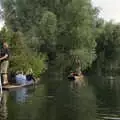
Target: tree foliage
column 108, row 44
column 55, row 27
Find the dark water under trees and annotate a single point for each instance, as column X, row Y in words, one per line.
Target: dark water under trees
column 54, row 99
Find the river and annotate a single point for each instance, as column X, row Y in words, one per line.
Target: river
column 55, row 99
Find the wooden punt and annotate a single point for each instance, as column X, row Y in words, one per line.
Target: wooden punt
column 15, row 86
column 80, row 77
column 72, row 78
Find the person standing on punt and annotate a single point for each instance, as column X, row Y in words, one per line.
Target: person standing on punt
column 4, row 63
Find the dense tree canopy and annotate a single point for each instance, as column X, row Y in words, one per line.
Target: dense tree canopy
column 68, row 32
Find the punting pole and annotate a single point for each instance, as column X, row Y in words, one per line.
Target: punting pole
column 0, row 84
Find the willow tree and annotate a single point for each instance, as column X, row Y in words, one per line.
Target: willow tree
column 76, row 28
column 108, row 44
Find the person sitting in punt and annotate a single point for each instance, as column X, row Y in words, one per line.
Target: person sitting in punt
column 25, row 79
column 20, row 78
column 29, row 75
column 74, row 75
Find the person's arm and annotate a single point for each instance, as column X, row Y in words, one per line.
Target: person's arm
column 6, row 54
column 4, row 57
column 33, row 78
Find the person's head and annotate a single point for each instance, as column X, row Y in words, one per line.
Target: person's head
column 30, row 71
column 19, row 72
column 5, row 45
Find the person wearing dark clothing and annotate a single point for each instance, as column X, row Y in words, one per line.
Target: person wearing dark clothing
column 4, row 54
column 29, row 75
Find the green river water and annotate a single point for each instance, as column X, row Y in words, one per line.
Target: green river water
column 54, row 99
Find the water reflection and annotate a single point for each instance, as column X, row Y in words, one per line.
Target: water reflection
column 21, row 94
column 75, row 104
column 56, row 100
column 53, row 101
column 25, row 104
column 108, row 97
column 3, row 106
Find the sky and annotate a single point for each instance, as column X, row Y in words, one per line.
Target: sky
column 109, row 9
column 1, row 24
